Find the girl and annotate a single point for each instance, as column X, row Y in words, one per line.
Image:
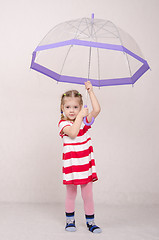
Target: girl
column 78, row 160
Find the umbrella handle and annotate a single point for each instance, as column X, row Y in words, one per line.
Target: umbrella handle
column 84, row 119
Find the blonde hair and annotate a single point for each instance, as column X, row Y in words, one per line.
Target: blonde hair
column 71, row 93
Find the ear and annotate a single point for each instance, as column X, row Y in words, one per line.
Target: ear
column 62, row 107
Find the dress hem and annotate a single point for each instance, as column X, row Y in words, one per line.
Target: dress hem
column 81, row 181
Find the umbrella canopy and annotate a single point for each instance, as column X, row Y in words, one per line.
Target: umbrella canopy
column 88, row 48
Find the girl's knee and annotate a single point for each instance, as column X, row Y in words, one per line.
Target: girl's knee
column 71, row 191
column 86, row 191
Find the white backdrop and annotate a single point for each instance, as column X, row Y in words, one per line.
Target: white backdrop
column 126, row 133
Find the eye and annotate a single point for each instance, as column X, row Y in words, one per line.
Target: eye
column 67, row 107
column 76, row 106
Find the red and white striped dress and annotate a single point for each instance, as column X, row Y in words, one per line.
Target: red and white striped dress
column 78, row 159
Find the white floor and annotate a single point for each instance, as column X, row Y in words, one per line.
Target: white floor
column 47, row 221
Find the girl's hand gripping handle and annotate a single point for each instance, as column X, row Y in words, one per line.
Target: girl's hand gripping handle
column 84, row 119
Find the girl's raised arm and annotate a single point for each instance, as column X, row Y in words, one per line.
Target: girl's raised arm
column 95, row 104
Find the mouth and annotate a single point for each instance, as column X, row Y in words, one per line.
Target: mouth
column 71, row 115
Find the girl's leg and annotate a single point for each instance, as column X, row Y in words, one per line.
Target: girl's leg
column 87, row 195
column 71, row 192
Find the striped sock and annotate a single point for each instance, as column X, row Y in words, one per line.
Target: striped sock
column 70, row 222
column 91, row 224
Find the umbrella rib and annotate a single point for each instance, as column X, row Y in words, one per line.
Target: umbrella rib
column 87, row 27
column 65, row 59
column 90, row 53
column 84, row 33
column 123, row 51
column 70, row 48
column 102, row 27
column 49, row 33
column 77, row 28
column 80, row 31
column 115, row 36
column 98, row 59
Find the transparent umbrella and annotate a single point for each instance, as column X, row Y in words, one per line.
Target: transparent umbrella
column 89, row 49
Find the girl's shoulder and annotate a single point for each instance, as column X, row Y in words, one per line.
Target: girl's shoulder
column 62, row 124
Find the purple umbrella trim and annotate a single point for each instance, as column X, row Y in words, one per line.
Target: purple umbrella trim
column 77, row 80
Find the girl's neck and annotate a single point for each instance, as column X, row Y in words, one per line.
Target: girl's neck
column 67, row 119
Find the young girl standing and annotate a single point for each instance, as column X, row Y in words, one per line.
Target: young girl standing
column 78, row 160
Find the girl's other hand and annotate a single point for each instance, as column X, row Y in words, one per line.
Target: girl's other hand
column 88, row 86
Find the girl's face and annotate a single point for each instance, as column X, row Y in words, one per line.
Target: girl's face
column 71, row 108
